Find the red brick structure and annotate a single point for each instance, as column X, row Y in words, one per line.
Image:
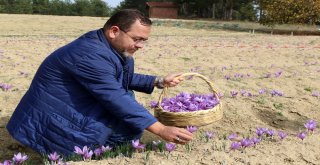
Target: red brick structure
column 162, row 10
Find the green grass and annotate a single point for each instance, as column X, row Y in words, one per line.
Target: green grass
column 308, row 89
column 278, row 105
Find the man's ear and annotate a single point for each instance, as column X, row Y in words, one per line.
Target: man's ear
column 113, row 32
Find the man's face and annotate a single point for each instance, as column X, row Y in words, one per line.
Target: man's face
column 127, row 43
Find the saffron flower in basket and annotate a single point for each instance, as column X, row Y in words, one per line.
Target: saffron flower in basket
column 185, row 102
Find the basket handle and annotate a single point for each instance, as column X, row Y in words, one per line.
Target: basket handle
column 164, row 91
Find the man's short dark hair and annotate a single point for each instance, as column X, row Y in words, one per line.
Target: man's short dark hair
column 125, row 18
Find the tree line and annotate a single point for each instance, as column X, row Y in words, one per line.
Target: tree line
column 268, row 12
column 56, row 7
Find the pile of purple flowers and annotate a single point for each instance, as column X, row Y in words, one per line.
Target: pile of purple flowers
column 185, row 102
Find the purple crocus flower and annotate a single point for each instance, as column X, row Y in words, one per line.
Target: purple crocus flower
column 106, row 148
column 301, row 135
column 78, row 150
column 238, row 75
column 282, row 135
column 246, row 143
column 270, row 132
column 192, row 129
column 97, row 152
column 170, row 147
column 209, row 135
column 137, row 145
column 234, row 93
column 19, row 158
column 262, row 91
column 278, row 74
column 316, row 94
column 235, row 145
column 311, row 125
column 6, row 162
column 255, row 140
column 261, row 131
column 155, row 144
column 276, row 93
column 54, row 157
column 5, row 87
column 243, row 92
column 232, row 136
column 220, row 95
column 153, row 104
column 85, row 152
column 227, row 77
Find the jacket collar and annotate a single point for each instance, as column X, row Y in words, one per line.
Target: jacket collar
column 103, row 38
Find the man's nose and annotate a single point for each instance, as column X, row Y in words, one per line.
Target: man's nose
column 139, row 45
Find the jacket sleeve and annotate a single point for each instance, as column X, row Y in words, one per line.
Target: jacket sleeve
column 99, row 77
column 142, row 83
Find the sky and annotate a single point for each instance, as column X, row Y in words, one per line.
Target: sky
column 113, row 3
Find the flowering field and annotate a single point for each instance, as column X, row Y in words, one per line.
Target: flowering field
column 268, row 86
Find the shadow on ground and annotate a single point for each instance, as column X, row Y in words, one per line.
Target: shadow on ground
column 9, row 146
column 289, row 121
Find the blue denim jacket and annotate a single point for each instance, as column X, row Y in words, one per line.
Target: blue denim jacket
column 79, row 96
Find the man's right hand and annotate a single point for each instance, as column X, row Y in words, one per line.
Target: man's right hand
column 171, row 134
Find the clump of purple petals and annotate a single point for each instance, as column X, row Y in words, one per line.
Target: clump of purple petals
column 106, row 148
column 270, row 132
column 209, row 135
column 97, row 152
column 192, row 129
column 235, row 146
column 233, row 136
column 54, row 157
column 316, row 94
column 246, row 93
column 255, row 140
column 155, row 144
column 5, row 87
column 246, row 143
column 301, row 135
column 137, row 145
column 262, row 91
column 227, row 77
column 185, row 102
column 85, row 152
column 170, row 147
column 153, row 104
column 311, row 125
column 19, row 158
column 276, row 93
column 6, row 162
column 278, row 74
column 233, row 93
column 261, row 131
column 282, row 135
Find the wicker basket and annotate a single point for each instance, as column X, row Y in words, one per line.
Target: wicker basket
column 183, row 119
